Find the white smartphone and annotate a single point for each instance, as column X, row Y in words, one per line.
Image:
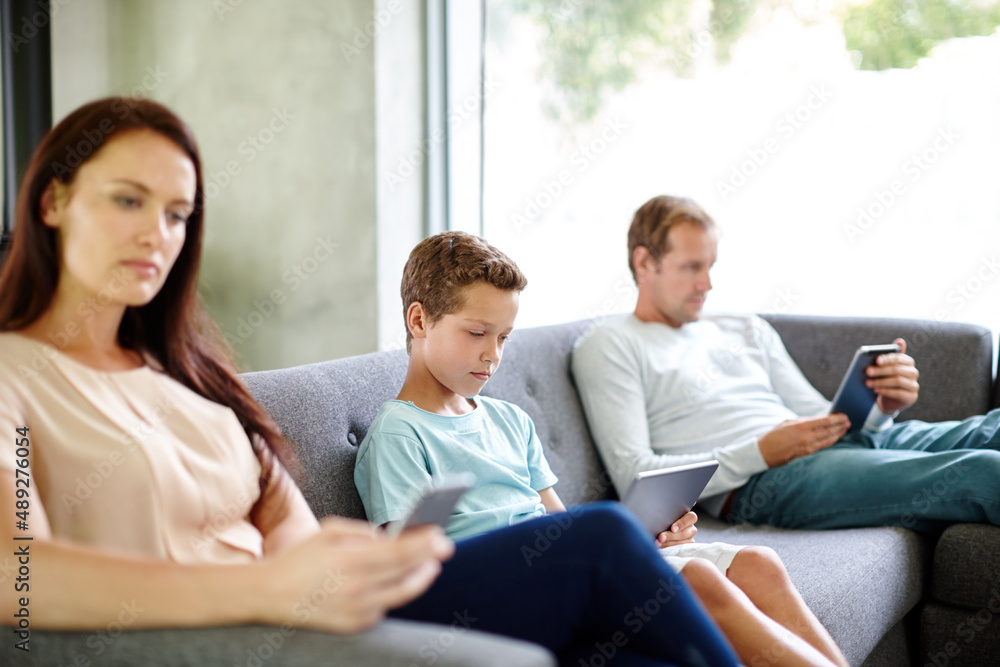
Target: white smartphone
column 436, row 503
column 853, row 398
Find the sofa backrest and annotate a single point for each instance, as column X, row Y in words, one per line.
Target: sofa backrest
column 327, row 407
column 535, row 375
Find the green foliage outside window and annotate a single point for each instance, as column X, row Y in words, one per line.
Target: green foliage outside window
column 591, row 48
column 898, row 33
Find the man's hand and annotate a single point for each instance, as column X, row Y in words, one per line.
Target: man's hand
column 800, row 437
column 894, row 379
column 681, row 532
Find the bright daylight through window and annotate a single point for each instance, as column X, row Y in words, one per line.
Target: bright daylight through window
column 847, row 148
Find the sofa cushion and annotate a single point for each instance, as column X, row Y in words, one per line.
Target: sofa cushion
column 326, row 409
column 535, row 375
column 859, row 582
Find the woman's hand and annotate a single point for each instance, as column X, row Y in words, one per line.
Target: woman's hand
column 681, row 532
column 348, row 575
column 338, row 576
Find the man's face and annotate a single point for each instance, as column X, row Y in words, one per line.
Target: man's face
column 672, row 291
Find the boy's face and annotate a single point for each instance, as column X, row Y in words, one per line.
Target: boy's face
column 462, row 350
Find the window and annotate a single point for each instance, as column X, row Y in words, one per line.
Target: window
column 846, row 148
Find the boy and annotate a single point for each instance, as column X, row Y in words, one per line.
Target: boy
column 460, row 300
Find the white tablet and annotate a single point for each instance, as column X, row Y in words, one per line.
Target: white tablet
column 853, row 398
column 660, row 497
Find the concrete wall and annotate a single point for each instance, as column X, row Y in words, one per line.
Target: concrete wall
column 283, row 99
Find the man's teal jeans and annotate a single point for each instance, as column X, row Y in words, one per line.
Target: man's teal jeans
column 913, row 474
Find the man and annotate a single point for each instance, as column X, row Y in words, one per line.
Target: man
column 665, row 387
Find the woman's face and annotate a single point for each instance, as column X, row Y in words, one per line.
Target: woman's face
column 122, row 221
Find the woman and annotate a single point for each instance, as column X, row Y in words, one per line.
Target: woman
column 155, row 477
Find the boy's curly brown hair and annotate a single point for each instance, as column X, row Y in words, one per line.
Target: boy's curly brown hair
column 441, row 266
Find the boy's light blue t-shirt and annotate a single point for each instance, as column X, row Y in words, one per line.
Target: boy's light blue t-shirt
column 405, row 446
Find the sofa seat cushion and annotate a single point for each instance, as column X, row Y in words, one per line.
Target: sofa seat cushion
column 859, row 582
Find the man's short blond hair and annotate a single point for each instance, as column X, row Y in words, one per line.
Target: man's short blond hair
column 652, row 222
column 441, row 266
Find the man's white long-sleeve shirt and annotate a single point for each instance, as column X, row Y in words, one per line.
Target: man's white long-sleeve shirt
column 657, row 396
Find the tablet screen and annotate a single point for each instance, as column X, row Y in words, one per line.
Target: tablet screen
column 853, row 398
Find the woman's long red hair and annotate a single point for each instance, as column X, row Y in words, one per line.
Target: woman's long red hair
column 173, row 328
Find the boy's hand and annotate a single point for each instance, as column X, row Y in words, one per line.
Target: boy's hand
column 682, row 532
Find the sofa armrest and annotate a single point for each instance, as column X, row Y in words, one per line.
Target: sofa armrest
column 392, row 643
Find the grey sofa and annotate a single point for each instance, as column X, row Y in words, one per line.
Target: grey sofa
column 888, row 595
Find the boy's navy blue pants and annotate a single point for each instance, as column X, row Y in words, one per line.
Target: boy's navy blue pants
column 590, row 585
